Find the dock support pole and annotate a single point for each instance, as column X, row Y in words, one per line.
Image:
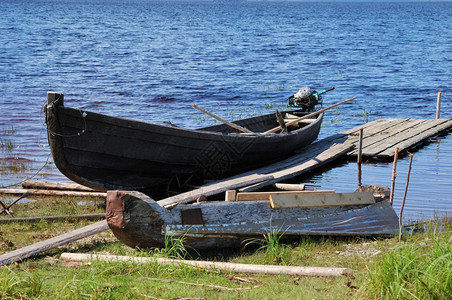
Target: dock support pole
column 404, row 196
column 360, row 146
column 438, row 104
column 396, row 154
column 360, row 155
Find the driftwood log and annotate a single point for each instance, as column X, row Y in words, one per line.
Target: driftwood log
column 215, row 266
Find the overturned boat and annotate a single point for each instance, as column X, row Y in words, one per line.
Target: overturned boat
column 141, row 222
column 112, row 153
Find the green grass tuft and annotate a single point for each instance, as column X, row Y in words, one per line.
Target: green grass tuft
column 418, row 268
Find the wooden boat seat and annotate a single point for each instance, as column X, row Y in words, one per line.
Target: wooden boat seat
column 305, row 121
column 289, row 117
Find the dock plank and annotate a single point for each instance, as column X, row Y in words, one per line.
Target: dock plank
column 215, row 188
column 384, row 140
column 382, row 136
column 372, row 131
column 417, row 137
column 374, row 126
column 318, row 159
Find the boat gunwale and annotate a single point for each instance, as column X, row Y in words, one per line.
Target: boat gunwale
column 111, row 120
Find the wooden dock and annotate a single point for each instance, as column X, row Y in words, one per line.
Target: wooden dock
column 381, row 136
column 379, row 139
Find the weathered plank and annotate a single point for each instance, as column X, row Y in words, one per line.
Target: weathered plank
column 39, row 192
column 230, row 195
column 388, row 138
column 332, row 153
column 214, row 266
column 314, row 199
column 376, row 134
column 374, row 126
column 322, row 153
column 68, row 237
column 255, row 196
column 49, row 185
column 90, row 217
column 419, row 136
column 380, row 136
column 215, row 188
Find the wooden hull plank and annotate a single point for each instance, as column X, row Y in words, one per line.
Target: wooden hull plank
column 213, row 189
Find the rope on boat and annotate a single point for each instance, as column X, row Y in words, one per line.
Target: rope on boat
column 82, row 113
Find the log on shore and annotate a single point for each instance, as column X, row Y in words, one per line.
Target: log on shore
column 40, row 192
column 215, row 266
column 49, row 185
column 39, row 247
column 89, row 217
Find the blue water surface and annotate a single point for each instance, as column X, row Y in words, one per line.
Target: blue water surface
column 149, row 60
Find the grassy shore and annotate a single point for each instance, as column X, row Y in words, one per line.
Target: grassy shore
column 417, row 267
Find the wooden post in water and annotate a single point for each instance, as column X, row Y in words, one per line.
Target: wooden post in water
column 438, row 104
column 360, row 145
column 360, row 155
column 396, row 154
column 404, row 196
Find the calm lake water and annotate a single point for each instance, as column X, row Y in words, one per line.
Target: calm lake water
column 150, row 60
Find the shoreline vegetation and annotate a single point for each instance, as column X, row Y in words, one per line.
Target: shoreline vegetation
column 419, row 266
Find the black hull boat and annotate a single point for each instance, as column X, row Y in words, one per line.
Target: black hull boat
column 112, row 153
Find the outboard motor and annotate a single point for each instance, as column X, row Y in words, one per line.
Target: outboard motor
column 307, row 99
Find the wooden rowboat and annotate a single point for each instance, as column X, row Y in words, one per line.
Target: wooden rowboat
column 141, row 222
column 106, row 153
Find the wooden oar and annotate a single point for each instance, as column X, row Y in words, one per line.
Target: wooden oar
column 309, row 115
column 240, row 128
